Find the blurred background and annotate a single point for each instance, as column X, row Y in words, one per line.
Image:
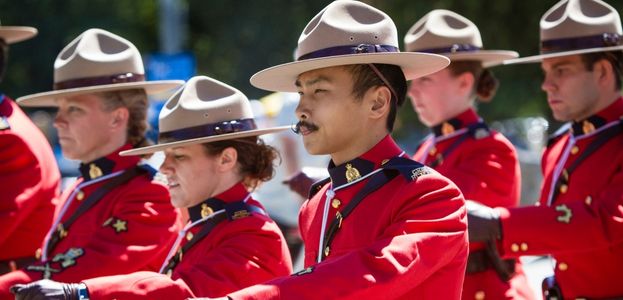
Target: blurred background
column 231, row 40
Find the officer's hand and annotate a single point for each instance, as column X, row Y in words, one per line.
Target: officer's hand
column 45, row 289
column 483, row 222
column 300, row 183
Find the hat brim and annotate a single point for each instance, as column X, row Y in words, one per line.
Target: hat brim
column 47, row 99
column 15, row 34
column 282, row 78
column 539, row 58
column 203, row 140
column 489, row 58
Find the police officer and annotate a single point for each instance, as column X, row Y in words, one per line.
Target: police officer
column 114, row 218
column 578, row 219
column 213, row 162
column 481, row 161
column 382, row 226
column 28, row 172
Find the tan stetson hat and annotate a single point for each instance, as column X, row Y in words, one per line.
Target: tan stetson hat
column 15, row 34
column 450, row 34
column 203, row 111
column 344, row 33
column 575, row 27
column 97, row 61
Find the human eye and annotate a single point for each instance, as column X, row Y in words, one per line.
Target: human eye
column 179, row 157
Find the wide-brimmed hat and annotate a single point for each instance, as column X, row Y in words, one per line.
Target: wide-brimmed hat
column 97, row 61
column 15, row 34
column 203, row 111
column 450, row 34
column 345, row 33
column 574, row 27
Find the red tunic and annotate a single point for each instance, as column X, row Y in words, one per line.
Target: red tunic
column 129, row 229
column 30, row 183
column 234, row 255
column 581, row 225
column 406, row 240
column 484, row 165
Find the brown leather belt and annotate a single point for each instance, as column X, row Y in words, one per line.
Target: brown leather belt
column 478, row 261
column 11, row 265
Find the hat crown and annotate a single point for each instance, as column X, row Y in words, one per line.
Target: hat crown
column 344, row 23
column 577, row 18
column 442, row 28
column 202, row 101
column 97, row 53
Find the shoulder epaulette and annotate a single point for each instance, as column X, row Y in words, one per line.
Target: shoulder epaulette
column 410, row 169
column 479, row 130
column 148, row 170
column 317, row 186
column 4, row 123
column 558, row 134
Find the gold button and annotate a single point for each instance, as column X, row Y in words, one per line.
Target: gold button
column 327, row 251
column 514, row 247
column 432, row 151
column 384, row 162
column 524, row 247
column 588, row 200
column 80, row 195
column 189, row 236
column 563, row 266
column 480, row 295
column 336, row 203
column 564, row 188
column 575, row 150
column 38, row 254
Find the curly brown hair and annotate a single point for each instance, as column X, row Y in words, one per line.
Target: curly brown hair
column 256, row 159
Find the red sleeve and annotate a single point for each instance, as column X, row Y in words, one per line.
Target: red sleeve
column 233, row 256
column 21, row 177
column 427, row 235
column 488, row 172
column 595, row 224
column 99, row 249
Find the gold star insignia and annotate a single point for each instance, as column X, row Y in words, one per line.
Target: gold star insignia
column 120, row 225
column 95, row 171
column 351, row 173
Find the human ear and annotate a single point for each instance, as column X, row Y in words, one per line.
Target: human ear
column 380, row 100
column 466, row 83
column 228, row 159
column 120, row 117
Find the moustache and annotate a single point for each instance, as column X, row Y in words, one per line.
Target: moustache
column 296, row 128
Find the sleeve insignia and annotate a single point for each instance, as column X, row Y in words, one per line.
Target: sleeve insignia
column 68, row 258
column 420, row 171
column 45, row 269
column 117, row 224
column 565, row 215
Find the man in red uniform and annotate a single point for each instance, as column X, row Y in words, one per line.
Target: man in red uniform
column 28, row 172
column 213, row 162
column 382, row 226
column 579, row 217
column 114, row 218
column 480, row 161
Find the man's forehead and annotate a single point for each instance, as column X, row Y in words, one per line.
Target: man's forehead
column 316, row 76
column 560, row 61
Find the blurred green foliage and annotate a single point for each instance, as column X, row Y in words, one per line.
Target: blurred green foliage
column 234, row 39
